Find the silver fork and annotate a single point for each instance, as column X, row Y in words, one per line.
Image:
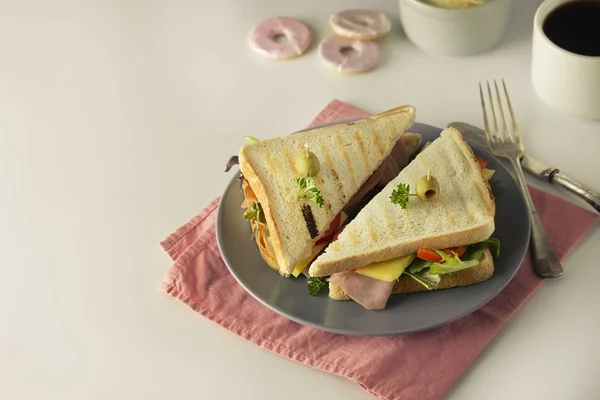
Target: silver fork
column 507, row 143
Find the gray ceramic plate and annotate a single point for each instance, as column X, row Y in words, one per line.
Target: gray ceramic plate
column 405, row 313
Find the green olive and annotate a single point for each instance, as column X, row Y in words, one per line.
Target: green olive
column 428, row 189
column 307, row 166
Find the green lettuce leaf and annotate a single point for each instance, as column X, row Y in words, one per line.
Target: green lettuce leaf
column 427, row 273
column 493, row 245
column 255, row 215
column 425, row 278
column 477, row 250
column 451, row 264
column 488, row 173
column 252, row 139
column 418, row 265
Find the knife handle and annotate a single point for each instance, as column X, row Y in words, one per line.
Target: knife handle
column 587, row 194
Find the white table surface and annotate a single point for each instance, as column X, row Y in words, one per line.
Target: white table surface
column 116, row 119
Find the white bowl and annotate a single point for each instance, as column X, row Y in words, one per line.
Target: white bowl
column 455, row 31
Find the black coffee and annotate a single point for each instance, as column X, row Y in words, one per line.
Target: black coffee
column 575, row 26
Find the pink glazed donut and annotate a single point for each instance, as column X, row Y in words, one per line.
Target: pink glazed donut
column 360, row 24
column 280, row 38
column 349, row 56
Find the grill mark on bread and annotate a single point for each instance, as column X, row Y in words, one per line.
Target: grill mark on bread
column 371, row 231
column 448, row 186
column 289, row 159
column 377, row 141
column 336, row 178
column 274, row 166
column 342, row 148
column 309, row 218
column 461, row 199
column 388, row 220
column 353, row 240
column 361, row 146
column 470, row 155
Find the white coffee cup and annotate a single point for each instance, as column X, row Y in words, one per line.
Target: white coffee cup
column 563, row 79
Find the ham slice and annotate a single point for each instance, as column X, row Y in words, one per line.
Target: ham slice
column 390, row 168
column 372, row 294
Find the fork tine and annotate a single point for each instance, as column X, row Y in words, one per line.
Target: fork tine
column 515, row 129
column 495, row 133
column 506, row 135
column 486, row 122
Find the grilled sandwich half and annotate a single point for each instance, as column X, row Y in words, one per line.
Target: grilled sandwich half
column 371, row 257
column 349, row 153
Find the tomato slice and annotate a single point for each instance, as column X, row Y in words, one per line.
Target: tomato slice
column 460, row 250
column 482, row 162
column 249, row 195
column 431, row 255
column 330, row 232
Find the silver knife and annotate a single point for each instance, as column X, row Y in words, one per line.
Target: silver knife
column 537, row 168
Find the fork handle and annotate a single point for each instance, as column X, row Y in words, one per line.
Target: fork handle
column 545, row 262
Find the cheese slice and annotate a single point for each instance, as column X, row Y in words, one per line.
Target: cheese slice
column 389, row 270
column 302, row 264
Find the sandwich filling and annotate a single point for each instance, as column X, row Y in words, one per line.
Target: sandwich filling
column 372, row 285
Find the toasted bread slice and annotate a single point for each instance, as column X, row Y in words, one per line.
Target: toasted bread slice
column 406, row 284
column 462, row 213
column 348, row 153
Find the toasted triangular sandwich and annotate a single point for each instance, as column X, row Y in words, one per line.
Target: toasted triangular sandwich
column 376, row 253
column 290, row 219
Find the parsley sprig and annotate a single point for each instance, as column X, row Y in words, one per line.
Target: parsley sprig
column 314, row 285
column 401, row 194
column 307, row 190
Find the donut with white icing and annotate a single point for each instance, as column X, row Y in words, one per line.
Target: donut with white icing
column 280, row 38
column 349, row 56
column 360, row 24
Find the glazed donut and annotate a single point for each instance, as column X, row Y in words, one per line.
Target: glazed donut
column 334, row 53
column 360, row 24
column 280, row 38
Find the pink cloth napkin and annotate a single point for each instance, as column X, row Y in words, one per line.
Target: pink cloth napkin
column 421, row 366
